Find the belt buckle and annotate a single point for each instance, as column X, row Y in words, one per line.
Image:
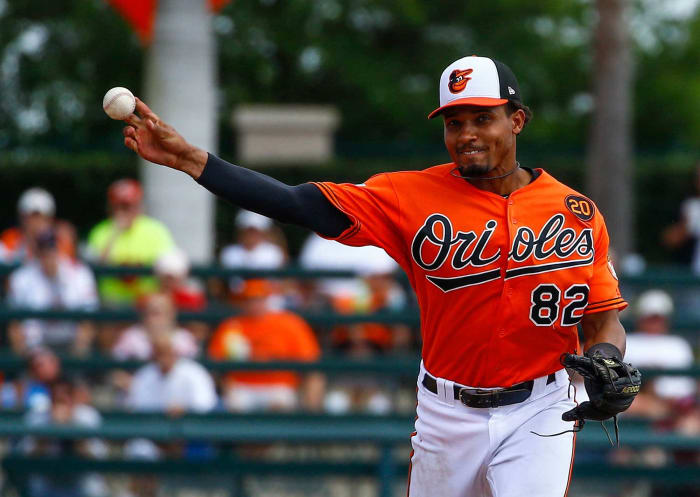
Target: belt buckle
column 479, row 398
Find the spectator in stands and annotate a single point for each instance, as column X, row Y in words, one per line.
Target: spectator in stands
column 687, row 230
column 256, row 246
column 378, row 292
column 127, row 237
column 253, row 248
column 369, row 340
column 667, row 400
column 173, row 385
column 170, row 383
column 320, row 253
column 36, row 209
column 651, row 345
column 262, row 334
column 52, row 281
column 65, row 408
column 172, row 271
column 31, row 390
column 158, row 316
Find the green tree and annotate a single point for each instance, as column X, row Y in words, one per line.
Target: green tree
column 56, row 61
column 378, row 60
column 668, row 84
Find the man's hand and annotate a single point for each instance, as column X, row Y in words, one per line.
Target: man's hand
column 610, row 383
column 158, row 142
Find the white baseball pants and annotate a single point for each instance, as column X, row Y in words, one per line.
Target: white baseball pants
column 460, row 451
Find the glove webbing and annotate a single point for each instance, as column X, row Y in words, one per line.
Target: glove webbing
column 607, row 367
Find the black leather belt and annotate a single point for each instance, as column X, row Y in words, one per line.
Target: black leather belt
column 475, row 397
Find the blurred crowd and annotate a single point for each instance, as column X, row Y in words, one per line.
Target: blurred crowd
column 265, row 323
column 53, row 272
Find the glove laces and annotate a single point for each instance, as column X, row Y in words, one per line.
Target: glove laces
column 578, row 426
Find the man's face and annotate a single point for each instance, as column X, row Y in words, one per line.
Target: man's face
column 164, row 354
column 45, row 367
column 159, row 314
column 48, row 259
column 34, row 223
column 251, row 237
column 655, row 324
column 125, row 213
column 479, row 139
column 255, row 306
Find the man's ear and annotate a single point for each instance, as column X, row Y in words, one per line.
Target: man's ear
column 518, row 120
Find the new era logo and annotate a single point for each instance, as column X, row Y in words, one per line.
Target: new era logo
column 511, row 91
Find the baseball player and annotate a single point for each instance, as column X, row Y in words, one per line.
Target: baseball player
column 505, row 262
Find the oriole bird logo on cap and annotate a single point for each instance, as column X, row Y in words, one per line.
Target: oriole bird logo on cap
column 459, row 79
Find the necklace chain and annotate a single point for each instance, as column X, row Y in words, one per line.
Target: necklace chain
column 517, row 166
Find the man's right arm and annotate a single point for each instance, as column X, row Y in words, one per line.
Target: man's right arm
column 303, row 205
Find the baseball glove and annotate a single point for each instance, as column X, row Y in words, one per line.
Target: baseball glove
column 610, row 383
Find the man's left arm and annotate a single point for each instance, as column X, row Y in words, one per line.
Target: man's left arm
column 603, row 328
column 610, row 383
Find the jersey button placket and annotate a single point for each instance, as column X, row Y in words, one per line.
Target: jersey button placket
column 507, row 291
column 513, row 220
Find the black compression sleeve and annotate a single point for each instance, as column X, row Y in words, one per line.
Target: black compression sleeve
column 303, row 204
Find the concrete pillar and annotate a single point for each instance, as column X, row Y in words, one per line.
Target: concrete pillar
column 180, row 87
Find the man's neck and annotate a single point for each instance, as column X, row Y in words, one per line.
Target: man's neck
column 504, row 186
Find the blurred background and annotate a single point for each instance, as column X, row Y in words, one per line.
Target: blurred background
column 157, row 341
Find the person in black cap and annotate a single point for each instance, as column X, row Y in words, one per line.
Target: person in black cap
column 505, row 262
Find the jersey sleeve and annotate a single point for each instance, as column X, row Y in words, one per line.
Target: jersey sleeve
column 373, row 210
column 604, row 288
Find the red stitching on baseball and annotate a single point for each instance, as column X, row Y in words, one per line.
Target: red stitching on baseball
column 111, row 101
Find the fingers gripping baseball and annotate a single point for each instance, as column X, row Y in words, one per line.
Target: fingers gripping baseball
column 151, row 138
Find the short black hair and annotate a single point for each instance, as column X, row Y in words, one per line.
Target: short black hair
column 513, row 106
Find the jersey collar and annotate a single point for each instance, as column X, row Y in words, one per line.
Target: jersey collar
column 542, row 177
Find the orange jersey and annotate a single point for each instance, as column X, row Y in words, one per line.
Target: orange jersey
column 501, row 282
column 276, row 336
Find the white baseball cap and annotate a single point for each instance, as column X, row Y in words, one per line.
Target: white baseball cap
column 654, row 303
column 248, row 219
column 173, row 262
column 479, row 81
column 36, row 200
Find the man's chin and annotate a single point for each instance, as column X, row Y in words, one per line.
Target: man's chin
column 475, row 170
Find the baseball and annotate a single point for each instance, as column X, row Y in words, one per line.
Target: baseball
column 119, row 103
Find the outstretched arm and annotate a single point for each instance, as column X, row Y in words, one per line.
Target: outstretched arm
column 303, row 205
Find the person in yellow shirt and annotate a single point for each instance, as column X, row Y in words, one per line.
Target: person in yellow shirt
column 130, row 238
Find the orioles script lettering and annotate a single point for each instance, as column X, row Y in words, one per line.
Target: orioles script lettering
column 553, row 243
